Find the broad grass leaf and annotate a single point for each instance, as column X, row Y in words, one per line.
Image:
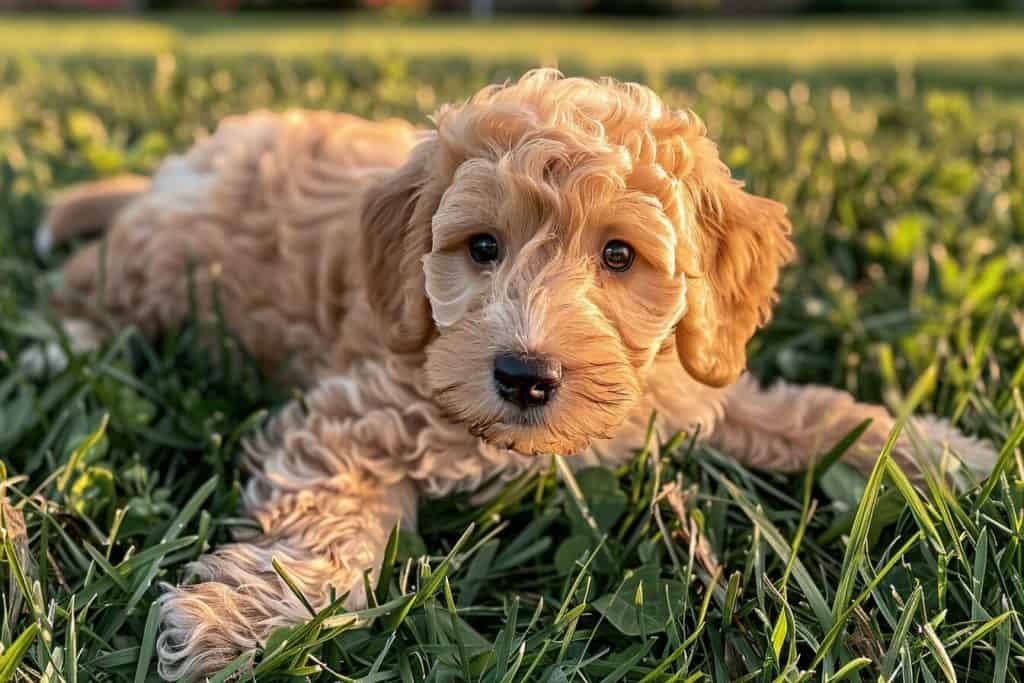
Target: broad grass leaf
column 570, row 551
column 605, row 499
column 844, row 485
column 622, row 610
column 410, row 546
column 12, row 656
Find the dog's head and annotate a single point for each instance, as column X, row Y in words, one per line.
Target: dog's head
column 550, row 241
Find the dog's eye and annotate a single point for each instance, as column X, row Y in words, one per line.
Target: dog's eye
column 617, row 256
column 483, row 248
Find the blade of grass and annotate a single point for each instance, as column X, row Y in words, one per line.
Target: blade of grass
column 72, row 464
column 1002, row 653
column 778, row 543
column 900, row 634
column 916, row 505
column 848, row 669
column 978, row 577
column 292, row 586
column 856, row 549
column 1003, row 463
column 819, row 469
column 979, row 353
column 387, row 567
column 71, row 645
column 148, row 645
column 12, row 656
column 232, row 668
column 939, row 652
column 981, row 632
column 840, row 622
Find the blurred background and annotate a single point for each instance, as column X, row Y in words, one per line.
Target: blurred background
column 487, row 8
column 956, row 42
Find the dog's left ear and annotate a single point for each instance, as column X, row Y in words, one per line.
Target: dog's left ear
column 743, row 242
column 395, row 235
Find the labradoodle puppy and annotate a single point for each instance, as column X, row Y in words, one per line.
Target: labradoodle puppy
column 554, row 260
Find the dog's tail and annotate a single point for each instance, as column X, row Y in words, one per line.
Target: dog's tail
column 86, row 209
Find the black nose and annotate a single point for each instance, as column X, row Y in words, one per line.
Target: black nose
column 526, row 379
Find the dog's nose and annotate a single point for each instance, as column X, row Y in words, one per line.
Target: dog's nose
column 526, row 379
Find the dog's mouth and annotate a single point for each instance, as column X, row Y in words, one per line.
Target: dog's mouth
column 528, row 402
column 527, row 431
column 529, row 441
column 531, row 431
column 566, row 424
column 547, row 431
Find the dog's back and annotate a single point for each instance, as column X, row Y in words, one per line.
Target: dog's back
column 263, row 212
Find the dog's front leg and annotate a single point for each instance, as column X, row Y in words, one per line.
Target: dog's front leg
column 787, row 427
column 325, row 538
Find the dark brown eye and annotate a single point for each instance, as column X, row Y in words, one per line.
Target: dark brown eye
column 617, row 256
column 483, row 248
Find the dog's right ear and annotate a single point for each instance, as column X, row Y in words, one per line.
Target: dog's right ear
column 395, row 236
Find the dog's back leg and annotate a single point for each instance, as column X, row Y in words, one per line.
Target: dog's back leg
column 160, row 256
column 86, row 209
column 788, row 427
column 204, row 239
column 80, row 211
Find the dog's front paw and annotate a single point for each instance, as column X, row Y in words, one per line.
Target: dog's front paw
column 233, row 609
column 203, row 628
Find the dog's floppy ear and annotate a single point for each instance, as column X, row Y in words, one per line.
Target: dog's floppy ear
column 743, row 242
column 396, row 234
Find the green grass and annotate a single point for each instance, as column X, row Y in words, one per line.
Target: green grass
column 908, row 205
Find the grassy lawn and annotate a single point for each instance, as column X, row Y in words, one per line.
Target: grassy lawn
column 907, row 194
